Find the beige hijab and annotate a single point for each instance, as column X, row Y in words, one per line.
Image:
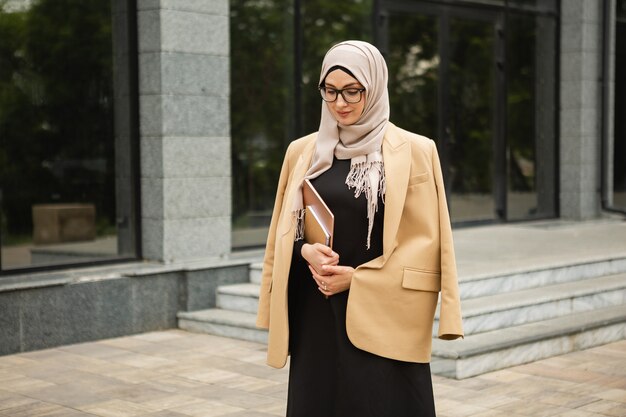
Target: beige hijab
column 360, row 142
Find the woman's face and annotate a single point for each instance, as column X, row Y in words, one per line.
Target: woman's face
column 344, row 113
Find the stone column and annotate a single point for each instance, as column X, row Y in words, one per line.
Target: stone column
column 581, row 66
column 185, row 128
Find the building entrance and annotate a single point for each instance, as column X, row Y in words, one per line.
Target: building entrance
column 448, row 80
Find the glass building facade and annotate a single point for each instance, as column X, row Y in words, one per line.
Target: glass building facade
column 68, row 133
column 482, row 78
column 478, row 77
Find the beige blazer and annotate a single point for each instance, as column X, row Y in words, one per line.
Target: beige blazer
column 392, row 300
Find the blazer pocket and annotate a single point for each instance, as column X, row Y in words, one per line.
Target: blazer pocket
column 417, row 279
column 418, row 179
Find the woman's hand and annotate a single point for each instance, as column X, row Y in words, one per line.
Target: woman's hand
column 318, row 255
column 336, row 279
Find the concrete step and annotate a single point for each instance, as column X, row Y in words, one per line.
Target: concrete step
column 485, row 352
column 494, row 311
column 464, row 358
column 227, row 323
column 525, row 306
column 255, row 272
column 239, row 297
column 520, row 277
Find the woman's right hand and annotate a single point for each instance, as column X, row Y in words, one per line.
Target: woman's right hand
column 318, row 255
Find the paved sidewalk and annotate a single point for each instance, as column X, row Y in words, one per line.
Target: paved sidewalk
column 179, row 374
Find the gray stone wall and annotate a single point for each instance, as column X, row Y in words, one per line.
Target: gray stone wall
column 185, row 128
column 53, row 309
column 580, row 116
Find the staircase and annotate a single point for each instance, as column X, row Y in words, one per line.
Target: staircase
column 509, row 319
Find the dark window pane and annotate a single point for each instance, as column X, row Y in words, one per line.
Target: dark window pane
column 530, row 106
column 263, row 103
column 619, row 115
column 261, row 110
column 59, row 179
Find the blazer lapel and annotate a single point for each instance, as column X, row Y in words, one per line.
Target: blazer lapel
column 397, row 158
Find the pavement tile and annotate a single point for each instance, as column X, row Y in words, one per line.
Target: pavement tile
column 117, row 408
column 69, row 395
column 36, row 409
column 457, row 408
column 96, row 350
column 606, row 407
column 24, row 384
column 531, row 408
column 14, row 361
column 207, row 409
column 12, row 400
column 164, row 413
column 173, row 384
column 179, row 374
column 617, row 395
column 165, row 402
column 139, row 360
column 564, row 399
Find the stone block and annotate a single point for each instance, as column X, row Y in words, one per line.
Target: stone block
column 217, row 7
column 150, row 73
column 576, row 94
column 193, row 33
column 570, row 124
column 153, row 197
column 154, row 302
column 579, row 37
column 151, row 157
column 152, row 238
column 202, row 285
column 194, row 74
column 580, row 65
column 57, row 223
column 569, row 204
column 196, row 156
column 194, row 116
column 150, row 115
column 577, row 11
column 68, row 314
column 570, row 177
column 188, row 198
column 196, row 238
column 10, row 324
column 149, row 31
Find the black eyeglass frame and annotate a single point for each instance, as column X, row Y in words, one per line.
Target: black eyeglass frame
column 360, row 90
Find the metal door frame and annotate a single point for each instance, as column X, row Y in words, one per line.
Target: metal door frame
column 443, row 12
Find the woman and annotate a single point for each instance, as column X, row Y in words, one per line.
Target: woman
column 357, row 319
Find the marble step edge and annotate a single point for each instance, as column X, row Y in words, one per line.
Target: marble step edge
column 541, row 295
column 221, row 316
column 610, row 264
column 248, row 290
column 605, row 329
column 226, row 323
column 517, row 270
column 490, row 304
column 256, row 269
column 480, row 285
column 500, row 339
column 497, row 284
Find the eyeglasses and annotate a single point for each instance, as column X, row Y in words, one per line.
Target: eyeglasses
column 350, row 95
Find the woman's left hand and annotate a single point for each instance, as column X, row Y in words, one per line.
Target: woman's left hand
column 337, row 281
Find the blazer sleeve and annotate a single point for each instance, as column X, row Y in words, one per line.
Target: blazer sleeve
column 263, row 313
column 450, row 322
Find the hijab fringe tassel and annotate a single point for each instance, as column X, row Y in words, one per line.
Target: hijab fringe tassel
column 359, row 179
